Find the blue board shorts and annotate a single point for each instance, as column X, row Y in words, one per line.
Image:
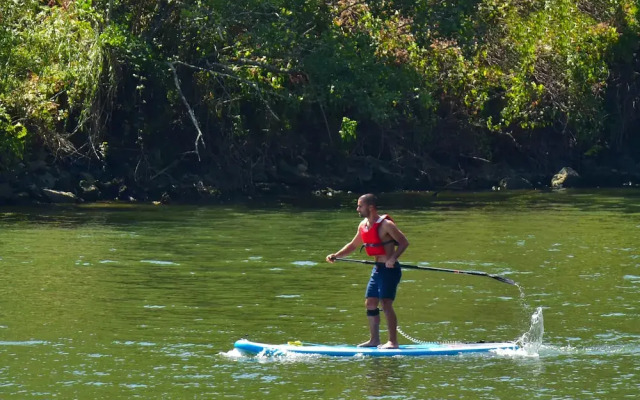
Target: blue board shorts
column 383, row 283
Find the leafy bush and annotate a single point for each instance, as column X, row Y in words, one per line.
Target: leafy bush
column 12, row 137
column 52, row 61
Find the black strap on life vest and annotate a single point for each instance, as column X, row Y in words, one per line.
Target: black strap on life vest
column 378, row 244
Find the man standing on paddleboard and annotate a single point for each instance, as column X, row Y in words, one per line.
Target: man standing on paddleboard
column 382, row 239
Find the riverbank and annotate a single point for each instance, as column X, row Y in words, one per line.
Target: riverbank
column 38, row 182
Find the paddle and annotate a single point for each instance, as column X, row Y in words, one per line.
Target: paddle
column 455, row 271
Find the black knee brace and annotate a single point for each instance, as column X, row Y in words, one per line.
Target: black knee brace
column 373, row 313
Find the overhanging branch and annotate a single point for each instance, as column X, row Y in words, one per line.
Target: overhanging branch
column 199, row 137
column 231, row 75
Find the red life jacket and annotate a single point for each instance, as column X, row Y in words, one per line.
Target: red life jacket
column 371, row 239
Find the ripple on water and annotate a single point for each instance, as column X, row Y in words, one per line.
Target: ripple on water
column 603, row 350
column 22, row 342
column 159, row 262
column 614, row 314
column 304, row 263
column 632, row 278
column 134, row 343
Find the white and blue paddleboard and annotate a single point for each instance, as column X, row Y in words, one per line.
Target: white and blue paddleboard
column 422, row 349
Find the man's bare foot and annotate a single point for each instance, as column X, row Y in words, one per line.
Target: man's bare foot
column 370, row 343
column 389, row 345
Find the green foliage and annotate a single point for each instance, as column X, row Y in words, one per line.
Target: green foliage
column 348, row 131
column 268, row 77
column 52, row 62
column 548, row 72
column 371, row 65
column 12, row 136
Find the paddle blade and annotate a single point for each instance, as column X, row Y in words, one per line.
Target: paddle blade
column 502, row 279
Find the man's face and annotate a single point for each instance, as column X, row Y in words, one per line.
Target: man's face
column 363, row 209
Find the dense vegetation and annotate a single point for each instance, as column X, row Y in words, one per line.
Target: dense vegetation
column 234, row 95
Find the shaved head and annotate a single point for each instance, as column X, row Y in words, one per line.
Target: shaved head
column 369, row 199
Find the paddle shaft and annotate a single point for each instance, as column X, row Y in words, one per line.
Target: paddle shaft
column 454, row 271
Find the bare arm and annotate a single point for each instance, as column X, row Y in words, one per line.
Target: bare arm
column 390, row 228
column 347, row 249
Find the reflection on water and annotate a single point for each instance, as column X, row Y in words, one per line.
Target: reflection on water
column 384, row 377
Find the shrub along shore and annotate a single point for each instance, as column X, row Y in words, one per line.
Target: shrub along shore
column 174, row 101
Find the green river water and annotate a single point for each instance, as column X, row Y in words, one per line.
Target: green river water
column 114, row 301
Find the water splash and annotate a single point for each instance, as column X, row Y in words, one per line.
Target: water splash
column 531, row 341
column 521, row 289
column 233, row 354
column 269, row 356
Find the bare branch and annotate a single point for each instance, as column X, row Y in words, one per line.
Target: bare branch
column 475, row 158
column 326, row 122
column 171, row 165
column 231, row 75
column 270, row 68
column 199, row 138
